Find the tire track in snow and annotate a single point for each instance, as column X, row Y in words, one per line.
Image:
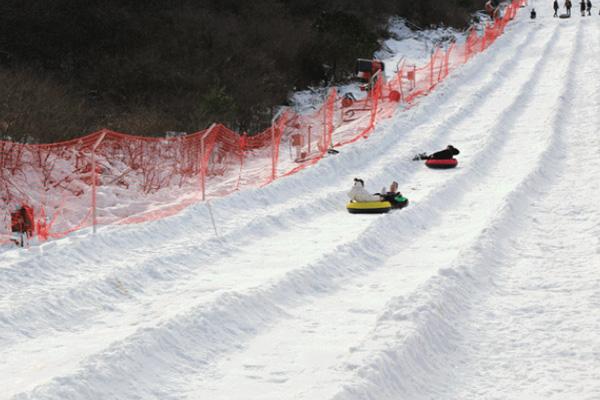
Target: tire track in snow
column 547, row 294
column 89, row 255
column 80, row 304
column 284, row 362
column 421, row 332
column 299, row 282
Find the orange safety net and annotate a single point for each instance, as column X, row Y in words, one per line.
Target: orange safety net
column 114, row 178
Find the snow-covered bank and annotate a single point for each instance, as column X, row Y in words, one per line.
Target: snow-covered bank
column 295, row 298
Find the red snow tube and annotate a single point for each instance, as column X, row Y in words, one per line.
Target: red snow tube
column 442, row 164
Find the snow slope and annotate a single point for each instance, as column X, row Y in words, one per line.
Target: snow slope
column 486, row 286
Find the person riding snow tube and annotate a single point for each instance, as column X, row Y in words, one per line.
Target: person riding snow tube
column 396, row 200
column 395, row 197
column 363, row 202
column 442, row 159
column 442, row 164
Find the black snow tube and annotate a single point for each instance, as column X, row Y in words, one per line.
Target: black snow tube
column 396, row 200
column 399, row 202
column 442, row 164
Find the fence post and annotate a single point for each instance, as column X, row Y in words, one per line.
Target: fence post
column 242, row 150
column 330, row 113
column 483, row 40
column 447, row 60
column 467, row 47
column 273, row 150
column 273, row 161
column 202, row 162
column 309, row 138
column 376, row 84
column 325, row 110
column 431, row 61
column 94, row 177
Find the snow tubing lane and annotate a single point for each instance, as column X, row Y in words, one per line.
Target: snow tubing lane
column 442, row 164
column 369, row 207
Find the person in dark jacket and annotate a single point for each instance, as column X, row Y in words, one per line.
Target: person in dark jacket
column 589, row 7
column 533, row 13
column 582, row 8
column 568, row 7
column 447, row 154
column 392, row 193
column 394, row 196
column 556, row 8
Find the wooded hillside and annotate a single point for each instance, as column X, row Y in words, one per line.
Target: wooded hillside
column 68, row 68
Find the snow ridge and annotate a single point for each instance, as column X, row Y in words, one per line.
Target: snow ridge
column 138, row 277
column 295, row 298
column 423, row 330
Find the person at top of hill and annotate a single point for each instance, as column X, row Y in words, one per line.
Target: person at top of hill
column 360, row 194
column 447, row 154
column 555, row 8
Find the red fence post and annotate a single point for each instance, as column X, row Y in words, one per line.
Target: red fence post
column 273, row 160
column 467, row 47
column 274, row 143
column 242, row 149
column 447, row 59
column 203, row 162
column 484, row 37
column 330, row 113
column 94, row 178
column 376, row 94
column 431, row 62
column 309, row 137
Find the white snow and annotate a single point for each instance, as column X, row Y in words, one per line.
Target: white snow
column 485, row 286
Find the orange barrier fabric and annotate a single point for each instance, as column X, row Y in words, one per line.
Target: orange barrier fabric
column 109, row 177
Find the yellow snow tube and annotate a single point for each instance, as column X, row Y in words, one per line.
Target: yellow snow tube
column 369, row 207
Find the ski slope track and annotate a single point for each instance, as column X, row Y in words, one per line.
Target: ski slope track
column 486, row 286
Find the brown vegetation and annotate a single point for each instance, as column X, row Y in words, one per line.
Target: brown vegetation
column 69, row 68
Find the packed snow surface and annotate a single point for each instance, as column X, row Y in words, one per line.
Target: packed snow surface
column 485, row 287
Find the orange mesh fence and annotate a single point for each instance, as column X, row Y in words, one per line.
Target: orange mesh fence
column 53, row 180
column 154, row 171
column 413, row 82
column 357, row 120
column 308, row 137
column 109, row 177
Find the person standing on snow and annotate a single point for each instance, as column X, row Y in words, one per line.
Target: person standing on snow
column 589, row 7
column 582, row 8
column 568, row 7
column 556, row 8
column 360, row 194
